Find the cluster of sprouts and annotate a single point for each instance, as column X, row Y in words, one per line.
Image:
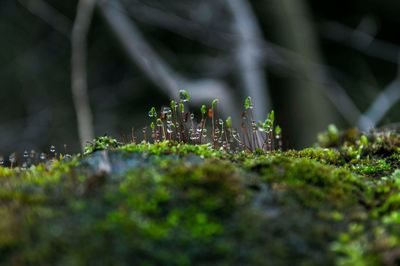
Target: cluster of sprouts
column 176, row 123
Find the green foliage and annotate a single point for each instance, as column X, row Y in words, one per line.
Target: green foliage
column 101, row 143
column 278, row 131
column 329, row 138
column 228, row 122
column 182, row 127
column 214, row 103
column 184, row 95
column 173, row 105
column 203, row 110
column 153, row 112
column 248, row 104
column 181, row 107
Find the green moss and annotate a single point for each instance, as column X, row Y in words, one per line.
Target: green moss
column 182, row 204
column 101, row 143
column 170, row 147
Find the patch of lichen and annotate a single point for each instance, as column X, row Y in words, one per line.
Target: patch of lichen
column 192, row 204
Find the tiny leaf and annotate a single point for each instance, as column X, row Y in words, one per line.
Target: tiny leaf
column 271, row 116
column 214, row 103
column 203, row 109
column 229, row 122
column 184, row 95
column 173, row 105
column 248, row 103
column 152, row 112
column 278, row 130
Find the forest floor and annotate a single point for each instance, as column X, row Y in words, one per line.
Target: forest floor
column 181, row 204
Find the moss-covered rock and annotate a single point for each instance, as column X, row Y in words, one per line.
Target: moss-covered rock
column 178, row 204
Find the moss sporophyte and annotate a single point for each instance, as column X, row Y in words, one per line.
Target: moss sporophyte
column 176, row 124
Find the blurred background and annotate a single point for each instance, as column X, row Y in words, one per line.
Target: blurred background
column 70, row 70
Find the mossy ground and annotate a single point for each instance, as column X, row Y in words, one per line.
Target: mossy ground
column 176, row 204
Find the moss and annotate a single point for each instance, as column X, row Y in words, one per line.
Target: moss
column 101, row 143
column 182, row 204
column 170, row 147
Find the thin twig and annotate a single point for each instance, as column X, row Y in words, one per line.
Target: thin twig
column 156, row 69
column 79, row 84
column 250, row 68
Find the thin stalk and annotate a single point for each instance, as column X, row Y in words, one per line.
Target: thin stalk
column 163, row 132
column 213, row 126
column 144, row 131
column 246, row 134
column 203, row 121
column 133, row 138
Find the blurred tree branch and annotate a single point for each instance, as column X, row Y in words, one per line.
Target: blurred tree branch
column 156, row 69
column 382, row 104
column 368, row 44
column 49, row 14
column 362, row 41
column 307, row 96
column 321, row 75
column 250, row 67
column 79, row 81
column 192, row 30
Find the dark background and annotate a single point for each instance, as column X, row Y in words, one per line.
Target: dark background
column 356, row 43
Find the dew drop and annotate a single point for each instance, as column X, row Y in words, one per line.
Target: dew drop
column 254, row 125
column 169, row 129
column 26, row 154
column 166, row 111
column 52, row 149
column 42, row 156
column 12, row 158
column 1, row 160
